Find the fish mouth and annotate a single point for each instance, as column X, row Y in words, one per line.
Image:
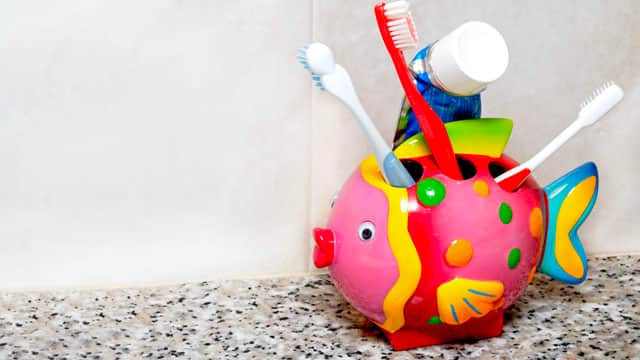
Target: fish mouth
column 324, row 250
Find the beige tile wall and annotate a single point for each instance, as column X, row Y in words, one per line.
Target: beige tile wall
column 152, row 142
column 160, row 141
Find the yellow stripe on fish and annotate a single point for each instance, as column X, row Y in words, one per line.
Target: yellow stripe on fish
column 401, row 245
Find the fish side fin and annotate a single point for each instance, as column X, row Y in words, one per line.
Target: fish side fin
column 461, row 299
column 571, row 199
column 485, row 136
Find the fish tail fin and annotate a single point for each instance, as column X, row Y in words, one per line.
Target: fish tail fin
column 570, row 200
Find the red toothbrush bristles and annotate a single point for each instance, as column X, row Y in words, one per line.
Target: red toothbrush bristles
column 398, row 33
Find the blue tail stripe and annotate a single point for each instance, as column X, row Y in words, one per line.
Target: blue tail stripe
column 480, row 293
column 466, row 301
column 453, row 312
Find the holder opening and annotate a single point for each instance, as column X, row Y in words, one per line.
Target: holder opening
column 467, row 168
column 496, row 169
column 414, row 168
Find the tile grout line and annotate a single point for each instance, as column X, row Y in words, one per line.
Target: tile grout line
column 309, row 241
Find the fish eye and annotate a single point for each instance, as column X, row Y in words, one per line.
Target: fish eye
column 366, row 231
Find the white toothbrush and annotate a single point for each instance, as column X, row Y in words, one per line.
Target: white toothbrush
column 329, row 76
column 591, row 110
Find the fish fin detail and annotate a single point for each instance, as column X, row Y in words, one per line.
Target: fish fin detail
column 570, row 200
column 485, row 136
column 461, row 299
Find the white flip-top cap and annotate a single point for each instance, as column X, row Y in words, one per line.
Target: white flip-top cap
column 467, row 59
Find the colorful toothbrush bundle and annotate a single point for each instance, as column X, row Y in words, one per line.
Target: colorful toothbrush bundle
column 434, row 240
column 398, row 33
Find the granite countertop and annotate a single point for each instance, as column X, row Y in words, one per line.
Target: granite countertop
column 302, row 317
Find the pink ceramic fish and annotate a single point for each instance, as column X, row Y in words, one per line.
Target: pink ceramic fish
column 442, row 260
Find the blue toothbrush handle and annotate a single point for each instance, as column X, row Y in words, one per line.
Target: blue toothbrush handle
column 395, row 172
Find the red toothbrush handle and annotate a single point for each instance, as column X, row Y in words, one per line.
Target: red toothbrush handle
column 514, row 181
column 432, row 126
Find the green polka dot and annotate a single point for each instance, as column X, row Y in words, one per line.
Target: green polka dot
column 435, row 321
column 514, row 258
column 505, row 213
column 431, row 192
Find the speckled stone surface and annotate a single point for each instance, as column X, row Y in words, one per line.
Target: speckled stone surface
column 304, row 317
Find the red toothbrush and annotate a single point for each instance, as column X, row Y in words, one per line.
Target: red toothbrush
column 398, row 33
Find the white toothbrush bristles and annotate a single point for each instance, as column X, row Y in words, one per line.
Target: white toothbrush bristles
column 595, row 94
column 600, row 102
column 396, row 9
column 401, row 27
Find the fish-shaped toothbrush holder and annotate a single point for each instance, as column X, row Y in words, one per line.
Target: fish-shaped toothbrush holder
column 442, row 260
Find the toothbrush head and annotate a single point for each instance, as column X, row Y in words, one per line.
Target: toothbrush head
column 320, row 59
column 396, row 9
column 400, row 24
column 317, row 58
column 597, row 105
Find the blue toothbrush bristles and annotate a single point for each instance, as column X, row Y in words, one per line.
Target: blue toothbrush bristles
column 302, row 59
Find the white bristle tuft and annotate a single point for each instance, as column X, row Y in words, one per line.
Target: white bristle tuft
column 595, row 94
column 396, row 9
column 400, row 25
column 403, row 33
column 600, row 102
